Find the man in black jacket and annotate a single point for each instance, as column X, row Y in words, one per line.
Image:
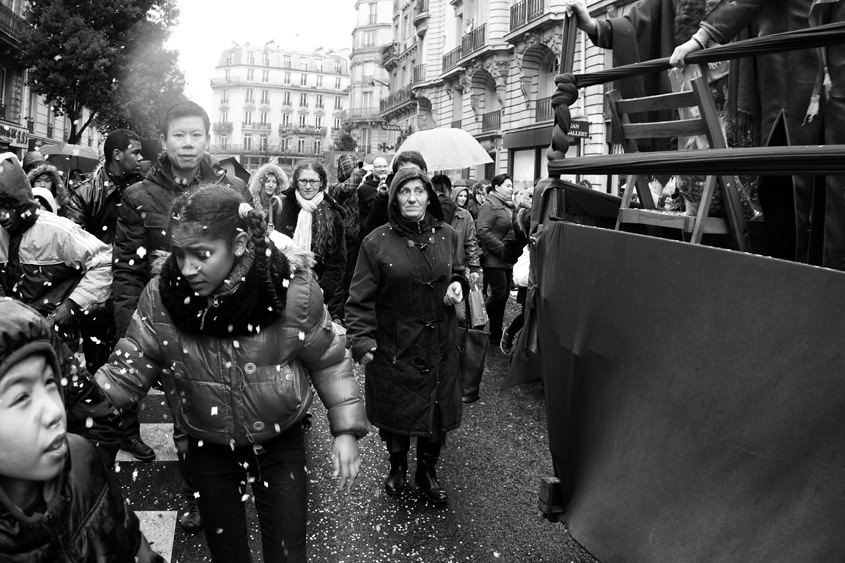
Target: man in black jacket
column 94, row 207
column 142, row 229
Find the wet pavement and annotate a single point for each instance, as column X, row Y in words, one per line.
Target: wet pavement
column 490, row 466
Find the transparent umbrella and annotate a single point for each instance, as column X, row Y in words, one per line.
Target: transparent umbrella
column 446, row 148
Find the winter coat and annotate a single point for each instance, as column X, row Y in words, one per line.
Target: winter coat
column 331, row 256
column 260, row 198
column 141, row 229
column 94, row 204
column 396, row 306
column 60, row 192
column 494, row 227
column 56, row 260
column 468, row 250
column 86, row 520
column 367, row 192
column 241, row 371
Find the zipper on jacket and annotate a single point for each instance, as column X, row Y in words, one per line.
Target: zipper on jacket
column 214, row 303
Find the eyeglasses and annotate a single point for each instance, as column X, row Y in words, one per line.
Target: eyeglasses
column 308, row 182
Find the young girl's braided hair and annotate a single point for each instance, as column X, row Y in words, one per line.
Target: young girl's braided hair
column 219, row 212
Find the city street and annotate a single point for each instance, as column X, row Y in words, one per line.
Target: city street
column 490, row 467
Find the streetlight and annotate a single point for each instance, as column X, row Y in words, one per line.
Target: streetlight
column 374, row 80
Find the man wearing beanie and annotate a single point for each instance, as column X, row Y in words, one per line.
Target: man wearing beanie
column 47, row 261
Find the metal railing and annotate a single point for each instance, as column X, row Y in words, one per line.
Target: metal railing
column 363, row 113
column 450, row 59
column 223, row 126
column 395, row 99
column 419, row 74
column 525, row 12
column 543, row 111
column 11, row 23
column 474, row 40
column 491, row 121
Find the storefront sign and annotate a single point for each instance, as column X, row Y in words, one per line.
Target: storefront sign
column 15, row 136
column 579, row 129
column 389, row 127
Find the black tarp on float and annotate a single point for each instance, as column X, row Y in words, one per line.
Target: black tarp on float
column 695, row 397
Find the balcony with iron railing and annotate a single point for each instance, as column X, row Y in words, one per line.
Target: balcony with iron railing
column 543, row 111
column 525, row 12
column 396, row 99
column 491, row 121
column 419, row 74
column 421, row 17
column 390, row 55
column 370, row 112
column 450, row 59
column 256, row 126
column 11, row 24
column 223, row 127
column 473, row 41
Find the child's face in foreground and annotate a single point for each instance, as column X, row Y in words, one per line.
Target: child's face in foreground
column 32, row 423
column 205, row 261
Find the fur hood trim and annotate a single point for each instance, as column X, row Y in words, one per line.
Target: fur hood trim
column 59, row 189
column 257, row 179
column 299, row 260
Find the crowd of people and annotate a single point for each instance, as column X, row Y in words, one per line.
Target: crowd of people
column 236, row 300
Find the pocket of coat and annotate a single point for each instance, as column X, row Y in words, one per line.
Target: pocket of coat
column 204, row 404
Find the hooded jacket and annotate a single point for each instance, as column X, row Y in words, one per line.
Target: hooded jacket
column 396, row 306
column 142, row 228
column 85, row 518
column 242, row 373
column 59, row 189
column 260, row 199
column 47, row 259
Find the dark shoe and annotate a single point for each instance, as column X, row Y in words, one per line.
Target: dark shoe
column 426, row 479
column 190, row 520
column 469, row 398
column 398, row 476
column 135, row 446
column 306, row 420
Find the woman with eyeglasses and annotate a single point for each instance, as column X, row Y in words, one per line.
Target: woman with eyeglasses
column 306, row 213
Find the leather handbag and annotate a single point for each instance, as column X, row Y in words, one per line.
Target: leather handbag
column 473, row 353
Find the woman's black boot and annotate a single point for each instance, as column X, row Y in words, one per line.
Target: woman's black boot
column 426, row 477
column 398, row 476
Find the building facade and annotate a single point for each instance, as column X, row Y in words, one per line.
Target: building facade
column 275, row 104
column 368, row 79
column 488, row 67
column 26, row 121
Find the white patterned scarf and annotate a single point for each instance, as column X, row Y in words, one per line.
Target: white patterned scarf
column 302, row 233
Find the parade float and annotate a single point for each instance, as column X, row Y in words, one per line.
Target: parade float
column 693, row 377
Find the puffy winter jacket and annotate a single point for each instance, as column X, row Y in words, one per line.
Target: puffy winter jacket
column 57, row 260
column 86, row 520
column 241, row 389
column 142, row 228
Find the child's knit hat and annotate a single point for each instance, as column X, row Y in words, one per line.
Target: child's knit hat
column 24, row 332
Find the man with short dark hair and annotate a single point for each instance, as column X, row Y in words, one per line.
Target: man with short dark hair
column 94, row 207
column 142, row 229
column 443, row 188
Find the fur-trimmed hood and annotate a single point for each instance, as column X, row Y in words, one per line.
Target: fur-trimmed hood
column 256, row 185
column 59, row 190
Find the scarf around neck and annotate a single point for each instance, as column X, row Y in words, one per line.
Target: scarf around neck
column 307, row 207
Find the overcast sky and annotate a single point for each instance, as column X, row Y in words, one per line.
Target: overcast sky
column 206, row 27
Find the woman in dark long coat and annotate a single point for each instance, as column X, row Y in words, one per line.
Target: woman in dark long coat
column 401, row 324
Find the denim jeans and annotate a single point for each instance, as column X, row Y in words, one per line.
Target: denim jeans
column 220, row 475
